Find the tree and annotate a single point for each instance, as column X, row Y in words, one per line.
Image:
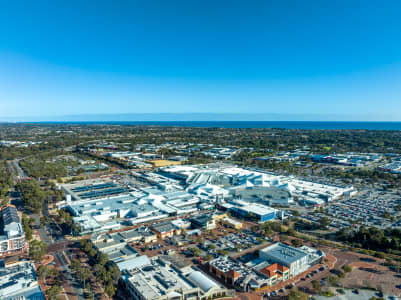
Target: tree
column 27, row 226
column 114, row 271
column 324, row 222
column 42, row 272
column 297, row 295
column 110, row 289
column 211, row 246
column 76, row 265
column 31, row 194
column 316, row 286
column 82, row 243
column 84, row 274
column 291, row 231
column 332, row 280
column 76, row 229
column 53, row 292
column 98, row 269
column 92, row 252
column 195, row 251
column 44, row 221
column 209, row 257
column 89, row 295
column 37, row 249
column 102, row 258
column 295, row 213
column 275, row 226
column 296, row 242
column 87, row 247
column 222, row 252
column 267, row 229
column 28, row 233
column 347, row 268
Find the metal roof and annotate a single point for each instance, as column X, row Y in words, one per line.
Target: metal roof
column 202, row 281
column 282, row 253
column 134, row 263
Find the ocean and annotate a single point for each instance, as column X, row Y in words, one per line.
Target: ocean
column 329, row 125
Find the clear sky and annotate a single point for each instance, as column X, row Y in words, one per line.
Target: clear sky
column 314, row 59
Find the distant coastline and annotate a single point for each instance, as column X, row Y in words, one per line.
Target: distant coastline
column 318, row 125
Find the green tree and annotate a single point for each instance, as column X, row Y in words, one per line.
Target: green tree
column 316, row 286
column 37, row 249
column 102, row 258
column 347, row 268
column 53, row 292
column 89, row 295
column 42, row 272
column 209, row 257
column 87, row 247
column 28, row 233
column 114, row 271
column 109, row 289
column 332, row 280
column 31, row 194
column 76, row 265
column 297, row 295
column 267, row 230
column 291, row 231
column 84, row 275
column 195, row 251
column 211, row 246
column 324, row 222
column 296, row 242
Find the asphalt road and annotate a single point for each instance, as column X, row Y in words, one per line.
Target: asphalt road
column 48, row 235
column 18, row 170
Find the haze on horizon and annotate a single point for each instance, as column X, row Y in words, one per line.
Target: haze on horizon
column 286, row 60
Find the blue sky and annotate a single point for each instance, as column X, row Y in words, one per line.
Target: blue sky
column 323, row 60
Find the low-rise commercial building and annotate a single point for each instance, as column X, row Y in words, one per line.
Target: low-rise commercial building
column 204, row 221
column 232, row 223
column 165, row 229
column 161, row 279
column 276, row 273
column 213, row 180
column 257, row 211
column 297, row 260
column 19, row 281
column 117, row 245
column 237, row 274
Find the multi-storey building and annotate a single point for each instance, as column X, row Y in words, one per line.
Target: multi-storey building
column 12, row 240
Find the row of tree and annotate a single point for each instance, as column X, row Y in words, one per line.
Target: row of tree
column 372, row 238
column 32, row 195
column 65, row 218
column 105, row 271
column 6, row 182
column 37, row 249
column 50, row 275
column 27, row 224
column 39, row 168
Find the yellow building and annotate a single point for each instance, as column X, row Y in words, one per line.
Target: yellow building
column 219, row 216
column 164, row 163
column 232, row 223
